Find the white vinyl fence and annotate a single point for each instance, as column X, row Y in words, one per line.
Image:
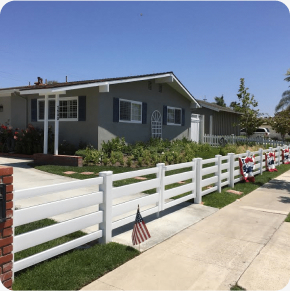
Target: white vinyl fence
column 199, row 177
column 217, row 140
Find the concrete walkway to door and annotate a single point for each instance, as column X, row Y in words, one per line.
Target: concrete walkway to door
column 246, row 242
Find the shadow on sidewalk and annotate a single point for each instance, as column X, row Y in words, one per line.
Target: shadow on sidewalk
column 284, row 199
column 150, row 218
column 277, row 185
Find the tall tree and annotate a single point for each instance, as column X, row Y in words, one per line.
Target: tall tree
column 233, row 104
column 281, row 122
column 285, row 100
column 249, row 119
column 220, row 101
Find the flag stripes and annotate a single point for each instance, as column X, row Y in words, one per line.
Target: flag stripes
column 140, row 232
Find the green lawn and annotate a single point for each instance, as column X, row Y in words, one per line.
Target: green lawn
column 71, row 270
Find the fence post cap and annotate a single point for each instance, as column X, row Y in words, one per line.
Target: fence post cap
column 106, row 173
column 160, row 164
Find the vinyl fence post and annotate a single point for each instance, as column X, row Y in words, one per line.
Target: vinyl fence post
column 106, row 206
column 218, row 173
column 198, row 178
column 248, row 153
column 232, row 169
column 160, row 190
column 261, row 160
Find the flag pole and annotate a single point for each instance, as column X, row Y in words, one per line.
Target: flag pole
column 139, row 210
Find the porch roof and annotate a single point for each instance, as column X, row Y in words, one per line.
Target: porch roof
column 215, row 107
column 103, row 84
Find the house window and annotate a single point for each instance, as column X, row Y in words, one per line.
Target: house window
column 130, row 111
column 51, row 109
column 160, row 88
column 68, row 109
column 173, row 116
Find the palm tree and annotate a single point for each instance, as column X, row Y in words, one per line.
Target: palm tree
column 285, row 100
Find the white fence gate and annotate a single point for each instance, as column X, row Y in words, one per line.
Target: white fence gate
column 195, row 127
column 198, row 178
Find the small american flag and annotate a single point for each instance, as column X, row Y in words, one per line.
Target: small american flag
column 140, row 232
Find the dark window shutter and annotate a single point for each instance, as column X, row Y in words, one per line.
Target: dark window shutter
column 144, row 112
column 41, row 106
column 183, row 117
column 115, row 109
column 164, row 115
column 33, row 110
column 82, row 108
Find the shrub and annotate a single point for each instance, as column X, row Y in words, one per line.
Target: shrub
column 66, row 148
column 140, row 161
column 91, row 156
column 129, row 161
column 30, row 141
column 116, row 144
column 81, row 153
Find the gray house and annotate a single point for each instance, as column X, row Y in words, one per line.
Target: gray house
column 218, row 120
column 93, row 111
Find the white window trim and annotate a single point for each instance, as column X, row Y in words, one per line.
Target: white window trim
column 134, row 102
column 168, row 123
column 60, row 99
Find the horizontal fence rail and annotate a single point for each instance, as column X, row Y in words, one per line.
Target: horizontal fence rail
column 193, row 180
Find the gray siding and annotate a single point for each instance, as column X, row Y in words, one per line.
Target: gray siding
column 76, row 131
column 14, row 111
column 18, row 112
column 223, row 122
column 5, row 116
column 99, row 125
column 138, row 91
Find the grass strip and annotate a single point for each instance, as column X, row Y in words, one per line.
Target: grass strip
column 45, row 246
column 71, row 270
column 287, row 219
column 219, row 200
column 237, row 287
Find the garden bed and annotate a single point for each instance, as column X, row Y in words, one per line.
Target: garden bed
column 60, row 160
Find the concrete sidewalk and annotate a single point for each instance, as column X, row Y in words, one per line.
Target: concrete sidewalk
column 243, row 242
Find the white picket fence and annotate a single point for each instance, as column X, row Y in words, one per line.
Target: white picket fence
column 202, row 176
column 217, row 140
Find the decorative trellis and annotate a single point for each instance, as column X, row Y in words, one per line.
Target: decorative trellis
column 156, row 124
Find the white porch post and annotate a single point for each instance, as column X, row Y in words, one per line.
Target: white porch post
column 210, row 129
column 45, row 141
column 56, row 124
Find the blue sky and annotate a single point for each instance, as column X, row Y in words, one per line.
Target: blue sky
column 208, row 45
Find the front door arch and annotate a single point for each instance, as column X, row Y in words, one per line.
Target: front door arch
column 156, row 124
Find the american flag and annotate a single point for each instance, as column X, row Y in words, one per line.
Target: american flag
column 140, row 232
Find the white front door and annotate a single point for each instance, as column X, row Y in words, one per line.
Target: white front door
column 195, row 127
